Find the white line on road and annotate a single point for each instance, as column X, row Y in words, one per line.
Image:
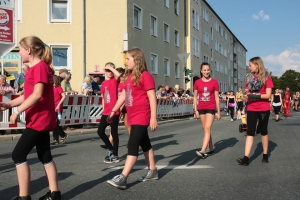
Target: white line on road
column 167, row 167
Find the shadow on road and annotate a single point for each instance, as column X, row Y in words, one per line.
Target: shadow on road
column 259, row 150
column 223, row 144
column 35, row 186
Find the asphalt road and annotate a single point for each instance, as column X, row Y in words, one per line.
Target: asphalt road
column 83, row 175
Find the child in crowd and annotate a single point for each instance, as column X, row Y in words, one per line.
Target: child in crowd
column 59, row 97
column 109, row 92
column 87, row 86
column 20, row 89
column 140, row 101
column 38, row 104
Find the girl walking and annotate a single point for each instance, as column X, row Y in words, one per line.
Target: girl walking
column 231, row 104
column 38, row 105
column 276, row 102
column 59, row 97
column 208, row 90
column 240, row 102
column 140, row 101
column 259, row 85
column 109, row 91
column 287, row 102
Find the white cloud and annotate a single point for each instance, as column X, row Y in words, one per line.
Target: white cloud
column 288, row 59
column 261, row 15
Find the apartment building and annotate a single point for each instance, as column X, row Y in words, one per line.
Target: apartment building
column 84, row 35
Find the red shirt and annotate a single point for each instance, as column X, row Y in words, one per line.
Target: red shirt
column 137, row 101
column 262, row 104
column 206, row 91
column 41, row 116
column 57, row 97
column 109, row 90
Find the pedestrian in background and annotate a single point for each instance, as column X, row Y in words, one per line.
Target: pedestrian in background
column 287, row 99
column 259, row 85
column 38, row 104
column 59, row 97
column 140, row 101
column 208, row 102
column 276, row 102
column 20, row 76
column 231, row 104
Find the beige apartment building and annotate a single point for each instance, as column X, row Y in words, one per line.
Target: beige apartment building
column 85, row 34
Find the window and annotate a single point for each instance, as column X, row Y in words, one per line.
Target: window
column 197, row 1
column 18, row 10
column 177, row 70
column 225, row 35
column 153, row 62
column 205, row 38
column 61, row 56
column 176, row 7
column 211, row 54
column 211, row 33
column 176, row 38
column 153, row 26
column 205, row 59
column 60, row 10
column 137, row 17
column 217, row 66
column 166, row 67
column 166, row 3
column 195, row 46
column 216, row 26
column 166, row 32
column 195, row 19
column 205, row 14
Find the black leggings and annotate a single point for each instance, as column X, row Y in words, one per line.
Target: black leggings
column 138, row 137
column 231, row 109
column 114, row 132
column 29, row 139
column 58, row 131
column 276, row 109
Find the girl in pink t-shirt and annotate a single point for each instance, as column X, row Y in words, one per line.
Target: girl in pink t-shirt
column 59, row 97
column 140, row 101
column 205, row 106
column 38, row 105
column 259, row 86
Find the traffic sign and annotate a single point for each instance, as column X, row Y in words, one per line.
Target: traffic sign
column 6, row 26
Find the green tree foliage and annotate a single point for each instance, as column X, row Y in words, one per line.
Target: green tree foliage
column 276, row 82
column 290, row 78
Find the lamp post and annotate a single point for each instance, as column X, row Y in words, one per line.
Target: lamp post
column 183, row 58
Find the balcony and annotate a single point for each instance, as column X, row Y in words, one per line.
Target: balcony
column 235, row 80
column 234, row 65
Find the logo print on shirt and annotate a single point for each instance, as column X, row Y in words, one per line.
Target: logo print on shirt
column 205, row 95
column 129, row 99
column 106, row 95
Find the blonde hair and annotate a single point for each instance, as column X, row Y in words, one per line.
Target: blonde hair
column 140, row 66
column 88, row 80
column 38, row 48
column 262, row 72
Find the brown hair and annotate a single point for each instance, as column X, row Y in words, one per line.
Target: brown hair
column 56, row 80
column 204, row 63
column 140, row 66
column 262, row 72
column 38, row 48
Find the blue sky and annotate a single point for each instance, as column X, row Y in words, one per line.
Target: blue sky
column 267, row 28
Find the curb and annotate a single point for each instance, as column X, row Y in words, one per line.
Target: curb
column 84, row 131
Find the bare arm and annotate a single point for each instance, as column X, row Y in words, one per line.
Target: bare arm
column 116, row 73
column 152, row 101
column 218, row 104
column 119, row 103
column 195, row 100
column 268, row 94
column 63, row 97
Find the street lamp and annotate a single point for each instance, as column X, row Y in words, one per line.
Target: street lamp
column 183, row 58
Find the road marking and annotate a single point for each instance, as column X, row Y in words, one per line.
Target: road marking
column 167, row 167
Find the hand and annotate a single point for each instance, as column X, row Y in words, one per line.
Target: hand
column 109, row 119
column 57, row 107
column 2, row 92
column 4, row 106
column 197, row 114
column 112, row 114
column 153, row 124
column 13, row 118
column 218, row 116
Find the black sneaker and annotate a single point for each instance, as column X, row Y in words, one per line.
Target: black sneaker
column 119, row 181
column 201, row 155
column 22, row 198
column 55, row 195
column 209, row 153
column 243, row 161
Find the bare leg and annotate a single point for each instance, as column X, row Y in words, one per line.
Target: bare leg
column 207, row 121
column 23, row 173
column 129, row 163
column 265, row 143
column 149, row 156
column 248, row 145
column 51, row 173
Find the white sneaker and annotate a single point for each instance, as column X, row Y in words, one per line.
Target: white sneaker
column 232, row 120
column 227, row 114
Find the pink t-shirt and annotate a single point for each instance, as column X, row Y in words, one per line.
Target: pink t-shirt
column 262, row 104
column 137, row 101
column 41, row 116
column 206, row 91
column 109, row 90
column 57, row 97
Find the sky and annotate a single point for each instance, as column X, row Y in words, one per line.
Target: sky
column 269, row 29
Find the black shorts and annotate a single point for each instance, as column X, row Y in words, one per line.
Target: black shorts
column 263, row 120
column 124, row 111
column 240, row 105
column 203, row 112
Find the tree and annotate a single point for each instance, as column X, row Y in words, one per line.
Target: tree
column 290, row 78
column 276, row 82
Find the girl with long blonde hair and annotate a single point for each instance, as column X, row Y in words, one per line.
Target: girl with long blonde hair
column 140, row 101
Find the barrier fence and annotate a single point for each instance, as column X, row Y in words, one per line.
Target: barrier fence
column 79, row 109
